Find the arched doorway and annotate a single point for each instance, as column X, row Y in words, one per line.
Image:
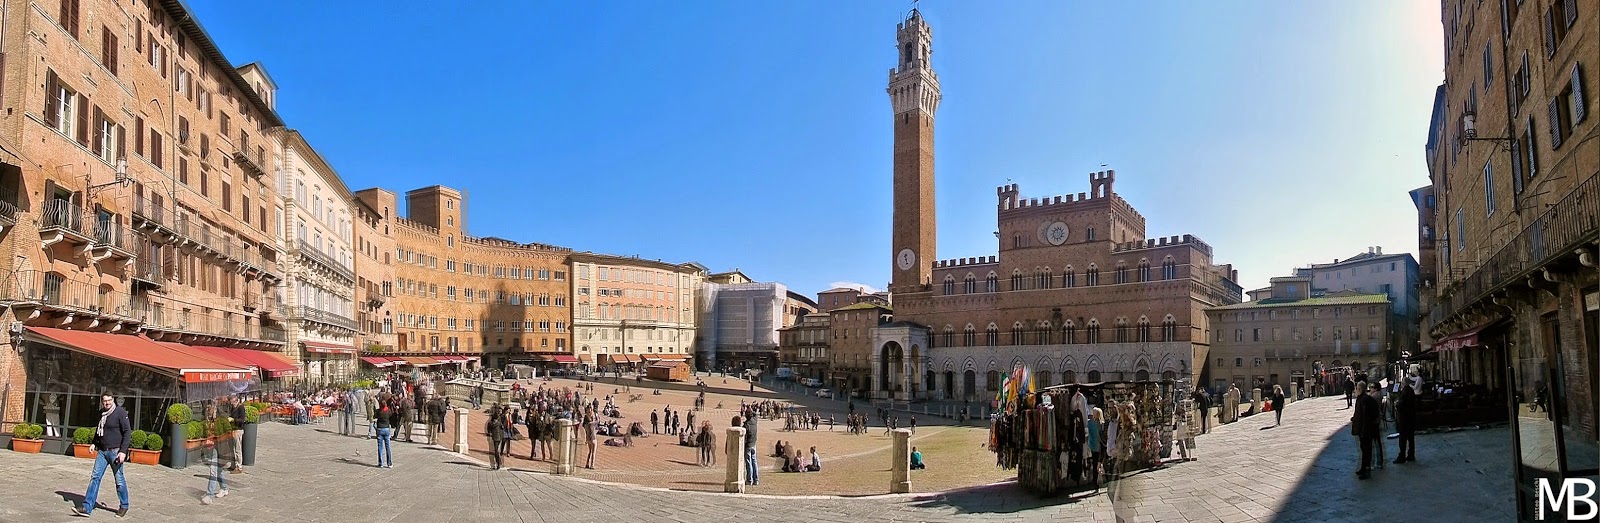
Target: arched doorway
column 969, row 384
column 1169, row 375
column 1142, row 375
column 928, row 378
column 891, row 365
column 1094, row 376
column 949, row 384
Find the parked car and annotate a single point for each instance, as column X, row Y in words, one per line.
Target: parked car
column 825, row 393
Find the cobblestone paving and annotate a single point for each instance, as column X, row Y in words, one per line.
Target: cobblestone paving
column 1302, row 471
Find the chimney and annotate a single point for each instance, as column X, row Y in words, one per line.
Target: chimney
column 1379, row 249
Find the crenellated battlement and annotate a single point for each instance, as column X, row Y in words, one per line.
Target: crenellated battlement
column 965, row 262
column 1166, row 241
column 1100, row 184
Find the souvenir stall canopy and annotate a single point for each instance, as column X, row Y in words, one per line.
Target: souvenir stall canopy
column 1044, row 433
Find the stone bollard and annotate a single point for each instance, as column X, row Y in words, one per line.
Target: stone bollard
column 566, row 447
column 900, row 465
column 733, row 481
column 1294, row 392
column 460, row 432
column 1255, row 401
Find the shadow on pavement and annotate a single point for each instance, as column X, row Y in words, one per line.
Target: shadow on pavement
column 999, row 498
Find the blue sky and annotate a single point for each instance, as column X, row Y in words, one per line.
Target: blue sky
column 756, row 135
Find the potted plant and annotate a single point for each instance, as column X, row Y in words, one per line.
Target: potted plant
column 178, row 417
column 81, row 437
column 146, row 448
column 27, row 438
column 197, row 432
column 247, row 448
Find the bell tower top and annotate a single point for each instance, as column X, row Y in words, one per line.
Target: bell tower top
column 913, row 85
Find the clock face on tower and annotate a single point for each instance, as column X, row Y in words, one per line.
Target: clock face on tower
column 1056, row 233
column 906, row 259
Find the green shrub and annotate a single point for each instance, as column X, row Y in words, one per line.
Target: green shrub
column 27, row 431
column 221, row 427
column 196, row 429
column 179, row 413
column 83, row 435
column 137, row 439
column 252, row 414
column 154, row 442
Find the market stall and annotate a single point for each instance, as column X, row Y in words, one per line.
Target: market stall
column 1044, row 434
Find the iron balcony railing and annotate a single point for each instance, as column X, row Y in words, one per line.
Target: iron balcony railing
column 1564, row 228
column 55, row 290
column 311, row 253
column 250, row 165
column 8, row 212
column 149, row 209
column 147, row 269
column 108, row 234
column 62, row 214
column 308, row 312
column 220, row 244
column 206, row 324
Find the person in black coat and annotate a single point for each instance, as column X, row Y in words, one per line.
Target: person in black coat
column 112, row 435
column 1277, row 404
column 496, row 435
column 1349, row 389
column 1364, row 425
column 1405, row 421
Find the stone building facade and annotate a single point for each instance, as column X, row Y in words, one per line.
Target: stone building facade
column 319, row 288
column 1373, row 272
column 134, row 195
column 460, row 295
column 805, row 347
column 374, row 253
column 630, row 311
column 1515, row 169
column 1292, row 335
column 1077, row 292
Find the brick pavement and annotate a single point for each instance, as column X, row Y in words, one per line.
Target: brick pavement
column 1299, row 472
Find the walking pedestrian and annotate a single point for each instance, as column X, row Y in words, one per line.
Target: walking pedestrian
column 913, row 424
column 369, row 401
column 589, row 439
column 1349, row 388
column 1277, row 404
column 217, row 482
column 347, row 420
column 1383, row 426
column 112, row 435
column 676, row 419
column 496, row 435
column 655, row 423
column 1364, row 425
column 1405, row 420
column 383, row 420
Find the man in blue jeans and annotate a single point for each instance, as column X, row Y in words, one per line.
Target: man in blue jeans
column 752, row 475
column 112, row 435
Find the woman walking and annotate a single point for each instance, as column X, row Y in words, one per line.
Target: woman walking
column 1277, row 404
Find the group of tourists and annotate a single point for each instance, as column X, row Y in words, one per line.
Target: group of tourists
column 1374, row 405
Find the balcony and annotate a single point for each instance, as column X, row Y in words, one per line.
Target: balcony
column 62, row 221
column 248, row 164
column 308, row 313
column 8, row 214
column 150, row 210
column 327, row 263
column 112, row 241
column 220, row 331
column 51, row 291
column 207, row 243
column 148, row 272
column 1561, row 231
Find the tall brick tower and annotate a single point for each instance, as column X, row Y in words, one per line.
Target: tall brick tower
column 914, row 93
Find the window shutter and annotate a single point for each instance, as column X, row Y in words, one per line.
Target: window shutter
column 1516, row 168
column 138, row 35
column 113, row 51
column 1555, row 123
column 1570, row 8
column 1549, row 32
column 1505, row 20
column 122, row 142
column 1532, row 153
column 138, row 135
column 52, row 99
column 97, row 136
column 83, row 120
column 1579, row 102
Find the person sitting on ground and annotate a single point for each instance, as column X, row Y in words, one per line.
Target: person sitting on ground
column 636, row 429
column 790, row 463
column 916, row 460
column 816, row 462
column 796, row 462
column 777, row 450
column 613, row 442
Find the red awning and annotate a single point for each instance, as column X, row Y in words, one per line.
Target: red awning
column 421, row 361
column 328, row 348
column 272, row 365
column 563, row 358
column 377, row 361
column 444, row 358
column 1460, row 340
column 193, row 365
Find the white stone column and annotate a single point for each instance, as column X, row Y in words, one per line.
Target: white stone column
column 900, row 463
column 1255, row 400
column 460, row 432
column 566, row 446
column 733, row 480
column 1294, row 392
